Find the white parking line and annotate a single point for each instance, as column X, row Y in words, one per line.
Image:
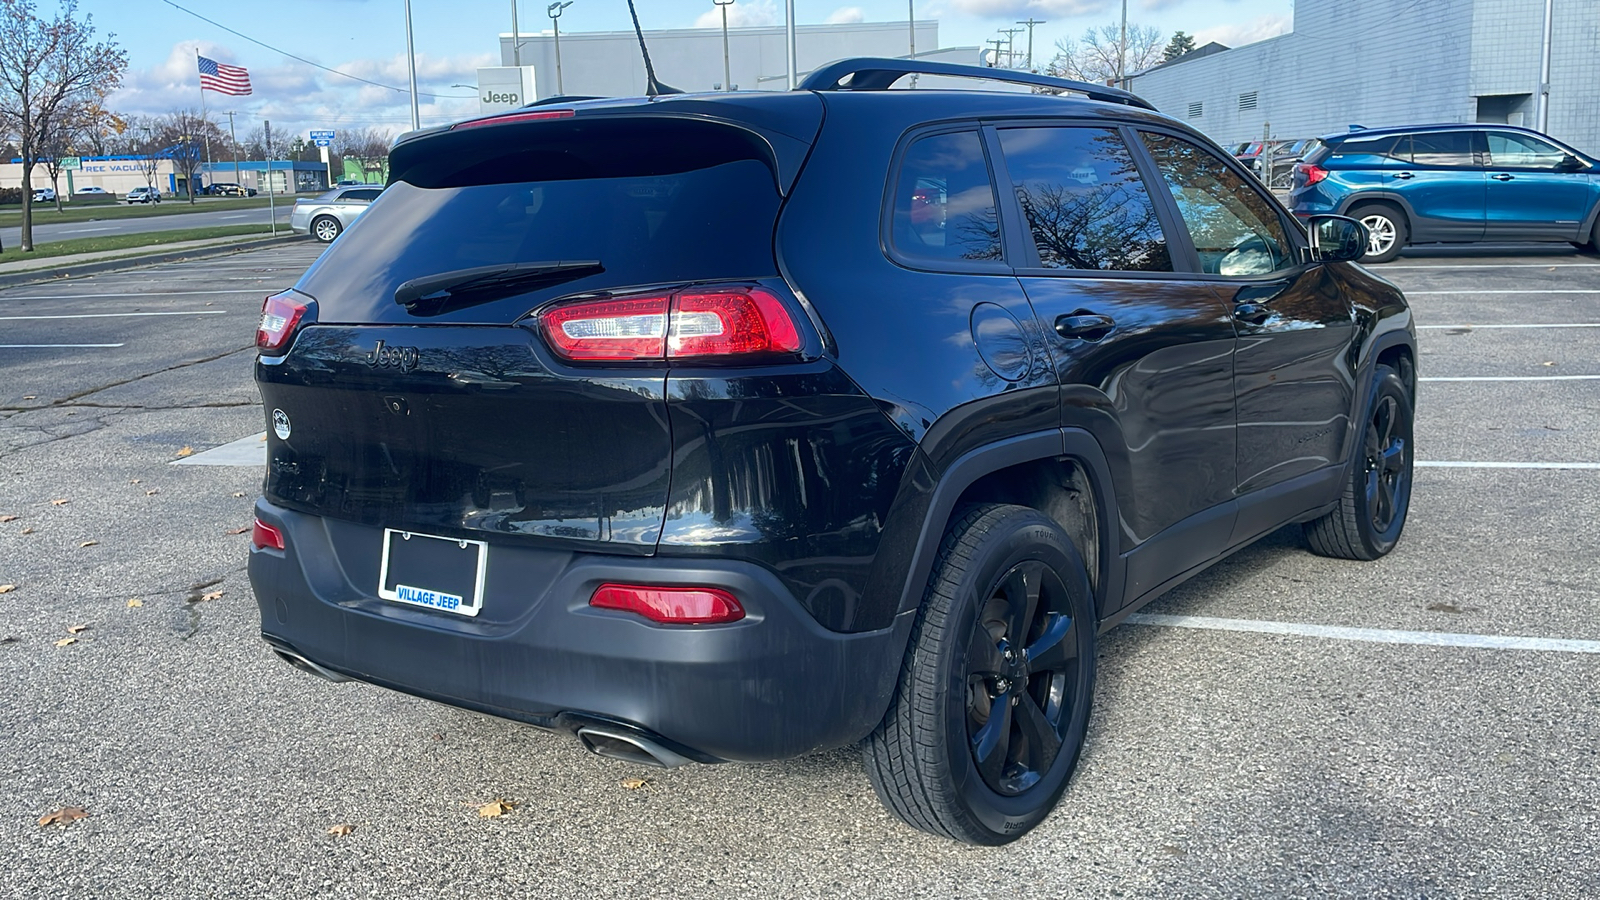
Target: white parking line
column 192, row 312
column 1455, row 464
column 42, row 346
column 1454, row 293
column 1373, row 635
column 246, row 451
column 1515, row 378
column 140, row 294
column 1534, row 325
column 1504, row 266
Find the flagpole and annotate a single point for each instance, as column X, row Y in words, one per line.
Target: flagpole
column 202, row 115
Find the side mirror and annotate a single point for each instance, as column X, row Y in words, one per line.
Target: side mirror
column 1570, row 163
column 1337, row 239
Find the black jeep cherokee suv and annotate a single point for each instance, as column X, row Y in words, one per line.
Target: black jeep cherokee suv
column 741, row 426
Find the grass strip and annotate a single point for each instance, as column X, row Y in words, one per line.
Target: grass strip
column 126, row 241
column 45, row 213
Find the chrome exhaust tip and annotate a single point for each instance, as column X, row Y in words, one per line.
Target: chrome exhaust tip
column 306, row 665
column 619, row 743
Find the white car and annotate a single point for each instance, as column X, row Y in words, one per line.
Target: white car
column 326, row 216
column 44, row 195
column 91, row 189
column 144, row 195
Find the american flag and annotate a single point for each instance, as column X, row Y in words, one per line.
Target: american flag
column 223, row 79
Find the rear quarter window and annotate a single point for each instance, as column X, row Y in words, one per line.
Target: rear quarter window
column 943, row 208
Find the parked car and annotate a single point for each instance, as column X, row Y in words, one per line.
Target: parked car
column 1452, row 183
column 347, row 182
column 144, row 195
column 327, row 215
column 92, row 191
column 44, row 195
column 723, row 427
column 228, row 189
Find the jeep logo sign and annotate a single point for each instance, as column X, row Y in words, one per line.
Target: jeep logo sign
column 505, row 88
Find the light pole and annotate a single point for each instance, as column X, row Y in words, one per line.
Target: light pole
column 411, row 65
column 794, row 65
column 555, row 20
column 1122, row 50
column 727, row 73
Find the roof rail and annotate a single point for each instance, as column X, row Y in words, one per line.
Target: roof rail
column 871, row 73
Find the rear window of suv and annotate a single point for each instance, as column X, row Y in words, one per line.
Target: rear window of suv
column 649, row 215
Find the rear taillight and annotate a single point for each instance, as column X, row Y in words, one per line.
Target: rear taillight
column 695, row 323
column 280, row 315
column 670, row 605
column 265, row 537
column 1310, row 173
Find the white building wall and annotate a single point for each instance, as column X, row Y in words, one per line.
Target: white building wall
column 1381, row 62
column 608, row 63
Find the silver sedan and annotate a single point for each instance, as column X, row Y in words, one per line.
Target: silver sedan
column 326, row 216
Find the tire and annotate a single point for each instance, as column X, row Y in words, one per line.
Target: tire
column 325, row 228
column 1007, row 576
column 1372, row 510
column 1388, row 229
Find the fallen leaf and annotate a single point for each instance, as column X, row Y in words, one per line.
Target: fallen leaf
column 1550, row 363
column 238, row 493
column 1439, row 606
column 135, row 603
column 134, row 481
column 495, row 808
column 213, row 595
column 9, row 518
column 62, row 502
column 8, row 639
column 341, row 830
column 7, row 588
column 186, row 451
column 64, row 815
column 88, row 543
column 240, row 530
column 152, row 492
column 634, row 784
column 26, row 531
column 77, row 629
column 66, row 642
column 30, row 397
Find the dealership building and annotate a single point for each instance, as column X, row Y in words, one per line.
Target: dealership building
column 608, row 63
column 1382, row 62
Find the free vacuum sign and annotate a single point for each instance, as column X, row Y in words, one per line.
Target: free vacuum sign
column 505, row 87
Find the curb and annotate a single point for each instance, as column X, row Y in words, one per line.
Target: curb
column 15, row 279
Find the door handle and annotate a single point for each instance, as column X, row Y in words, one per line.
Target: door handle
column 1085, row 325
column 1254, row 313
column 1502, row 176
column 1403, row 175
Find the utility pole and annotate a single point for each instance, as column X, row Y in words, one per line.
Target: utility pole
column 1544, row 72
column 1122, row 50
column 411, row 64
column 911, row 27
column 727, row 73
column 794, row 64
column 1011, row 37
column 272, row 209
column 1030, row 23
column 555, row 20
column 516, row 38
column 996, row 44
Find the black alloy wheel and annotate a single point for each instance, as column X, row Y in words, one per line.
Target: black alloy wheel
column 1372, row 510
column 988, row 720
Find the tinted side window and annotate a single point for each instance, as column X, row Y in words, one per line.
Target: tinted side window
column 1084, row 201
column 367, row 195
column 1235, row 230
column 944, row 204
column 1522, row 151
column 1373, row 151
column 1443, row 148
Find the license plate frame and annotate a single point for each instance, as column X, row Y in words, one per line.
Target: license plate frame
column 466, row 574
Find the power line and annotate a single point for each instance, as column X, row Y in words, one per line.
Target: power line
column 309, row 62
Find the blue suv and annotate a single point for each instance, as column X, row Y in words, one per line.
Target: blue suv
column 1451, row 183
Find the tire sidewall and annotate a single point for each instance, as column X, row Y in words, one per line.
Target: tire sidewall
column 315, row 230
column 1401, row 232
column 1385, row 383
column 1027, row 538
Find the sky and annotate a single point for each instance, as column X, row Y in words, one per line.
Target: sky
column 366, row 39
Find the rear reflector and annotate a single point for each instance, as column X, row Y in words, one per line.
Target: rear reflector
column 698, row 323
column 265, row 537
column 280, row 314
column 670, row 605
column 516, row 117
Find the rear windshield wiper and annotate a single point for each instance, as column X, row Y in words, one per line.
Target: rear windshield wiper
column 431, row 295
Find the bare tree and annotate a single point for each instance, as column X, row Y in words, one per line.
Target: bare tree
column 1100, row 57
column 369, row 148
column 181, row 136
column 47, row 65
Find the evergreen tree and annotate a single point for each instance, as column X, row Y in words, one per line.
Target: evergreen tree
column 1179, row 45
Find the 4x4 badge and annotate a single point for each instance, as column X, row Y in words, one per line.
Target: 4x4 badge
column 402, row 358
column 280, row 424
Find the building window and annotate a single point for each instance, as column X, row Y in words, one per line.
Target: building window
column 1196, row 110
column 1247, row 101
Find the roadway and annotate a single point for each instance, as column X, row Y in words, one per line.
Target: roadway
column 44, row 230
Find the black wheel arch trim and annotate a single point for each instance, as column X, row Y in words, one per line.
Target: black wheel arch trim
column 1074, row 444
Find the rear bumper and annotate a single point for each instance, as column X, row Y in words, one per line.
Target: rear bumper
column 772, row 686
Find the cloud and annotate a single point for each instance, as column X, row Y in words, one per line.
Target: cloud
column 846, row 15
column 1013, row 8
column 741, row 13
column 1257, row 29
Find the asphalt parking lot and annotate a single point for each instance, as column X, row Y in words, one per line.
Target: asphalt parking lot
column 1283, row 725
